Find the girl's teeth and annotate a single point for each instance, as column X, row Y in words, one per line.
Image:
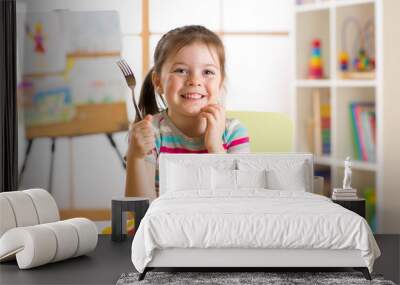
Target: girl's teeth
column 192, row 96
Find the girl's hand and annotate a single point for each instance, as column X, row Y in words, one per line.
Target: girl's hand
column 215, row 116
column 142, row 139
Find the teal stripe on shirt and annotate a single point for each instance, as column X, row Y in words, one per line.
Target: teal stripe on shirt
column 238, row 133
column 158, row 143
column 171, row 140
column 177, row 140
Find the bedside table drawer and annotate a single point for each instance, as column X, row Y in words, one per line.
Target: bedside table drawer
column 357, row 206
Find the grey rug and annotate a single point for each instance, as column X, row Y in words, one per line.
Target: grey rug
column 228, row 278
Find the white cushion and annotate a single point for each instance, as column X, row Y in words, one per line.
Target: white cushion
column 45, row 205
column 282, row 173
column 40, row 244
column 27, row 208
column 23, row 208
column 87, row 232
column 291, row 176
column 252, row 178
column 33, row 246
column 224, row 179
column 6, row 215
column 182, row 177
column 288, row 171
column 66, row 237
column 228, row 179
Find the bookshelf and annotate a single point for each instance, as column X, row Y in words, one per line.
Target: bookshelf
column 325, row 19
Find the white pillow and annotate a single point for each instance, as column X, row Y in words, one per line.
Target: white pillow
column 224, row 179
column 291, row 178
column 252, row 178
column 182, row 177
column 236, row 179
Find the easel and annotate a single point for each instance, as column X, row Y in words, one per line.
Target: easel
column 90, row 119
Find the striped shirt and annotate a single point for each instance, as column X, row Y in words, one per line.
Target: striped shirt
column 169, row 139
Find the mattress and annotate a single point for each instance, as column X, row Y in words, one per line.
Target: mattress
column 252, row 218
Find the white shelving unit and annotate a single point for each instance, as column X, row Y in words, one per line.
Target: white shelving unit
column 323, row 19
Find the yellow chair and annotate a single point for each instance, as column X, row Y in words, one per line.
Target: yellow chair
column 268, row 131
column 271, row 132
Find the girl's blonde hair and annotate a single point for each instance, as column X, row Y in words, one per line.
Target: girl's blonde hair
column 169, row 45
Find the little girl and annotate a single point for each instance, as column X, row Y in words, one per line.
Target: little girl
column 188, row 73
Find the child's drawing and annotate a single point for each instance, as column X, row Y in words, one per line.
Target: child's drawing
column 45, row 49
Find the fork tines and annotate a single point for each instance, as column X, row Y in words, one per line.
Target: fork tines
column 131, row 81
column 127, row 71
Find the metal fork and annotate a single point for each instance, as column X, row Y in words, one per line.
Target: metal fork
column 131, row 81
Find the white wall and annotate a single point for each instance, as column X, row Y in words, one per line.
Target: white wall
column 86, row 169
column 389, row 201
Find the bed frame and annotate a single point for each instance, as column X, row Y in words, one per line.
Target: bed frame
column 246, row 259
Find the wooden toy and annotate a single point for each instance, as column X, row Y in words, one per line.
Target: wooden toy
column 344, row 61
column 363, row 62
column 315, row 68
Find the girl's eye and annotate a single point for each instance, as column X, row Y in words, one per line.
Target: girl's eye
column 180, row 71
column 209, row 72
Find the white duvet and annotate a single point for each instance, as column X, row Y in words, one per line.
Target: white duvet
column 251, row 218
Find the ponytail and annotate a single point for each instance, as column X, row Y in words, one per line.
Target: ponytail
column 147, row 101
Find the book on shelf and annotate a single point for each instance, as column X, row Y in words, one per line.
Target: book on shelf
column 344, row 194
column 363, row 126
column 344, row 198
column 345, row 191
column 322, row 123
column 326, row 128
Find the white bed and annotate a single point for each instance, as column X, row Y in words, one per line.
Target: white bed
column 247, row 210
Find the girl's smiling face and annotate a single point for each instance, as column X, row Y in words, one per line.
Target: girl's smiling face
column 190, row 80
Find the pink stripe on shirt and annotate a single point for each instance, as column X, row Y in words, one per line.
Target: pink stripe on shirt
column 166, row 149
column 180, row 150
column 238, row 141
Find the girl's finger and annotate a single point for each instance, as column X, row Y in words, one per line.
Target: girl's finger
column 214, row 107
column 139, row 138
column 219, row 109
column 143, row 143
column 149, row 145
column 145, row 146
column 146, row 132
column 144, row 125
column 215, row 112
column 148, row 148
column 146, row 121
column 210, row 118
column 148, row 137
column 148, row 118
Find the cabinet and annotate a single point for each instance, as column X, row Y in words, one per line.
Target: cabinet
column 357, row 205
column 334, row 23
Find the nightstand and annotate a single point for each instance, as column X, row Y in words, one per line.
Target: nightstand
column 119, row 207
column 356, row 205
